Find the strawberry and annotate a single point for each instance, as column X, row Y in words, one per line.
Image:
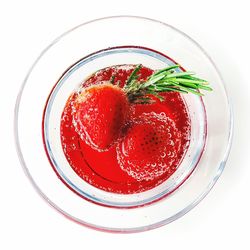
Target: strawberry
column 149, row 147
column 99, row 112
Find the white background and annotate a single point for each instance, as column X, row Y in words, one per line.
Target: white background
column 221, row 221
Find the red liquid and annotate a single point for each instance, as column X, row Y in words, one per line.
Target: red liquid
column 101, row 169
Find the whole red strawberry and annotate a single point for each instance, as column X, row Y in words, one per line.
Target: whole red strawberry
column 149, row 147
column 99, row 112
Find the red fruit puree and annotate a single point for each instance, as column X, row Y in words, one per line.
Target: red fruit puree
column 110, row 170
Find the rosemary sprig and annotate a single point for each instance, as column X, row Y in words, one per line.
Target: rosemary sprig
column 134, row 75
column 112, row 79
column 163, row 80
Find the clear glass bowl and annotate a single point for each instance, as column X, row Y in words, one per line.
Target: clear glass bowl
column 70, row 59
column 64, row 88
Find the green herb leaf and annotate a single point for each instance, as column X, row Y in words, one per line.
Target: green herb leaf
column 163, row 80
column 112, row 79
column 133, row 75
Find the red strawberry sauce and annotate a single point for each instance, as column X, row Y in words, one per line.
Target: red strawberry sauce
column 101, row 169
